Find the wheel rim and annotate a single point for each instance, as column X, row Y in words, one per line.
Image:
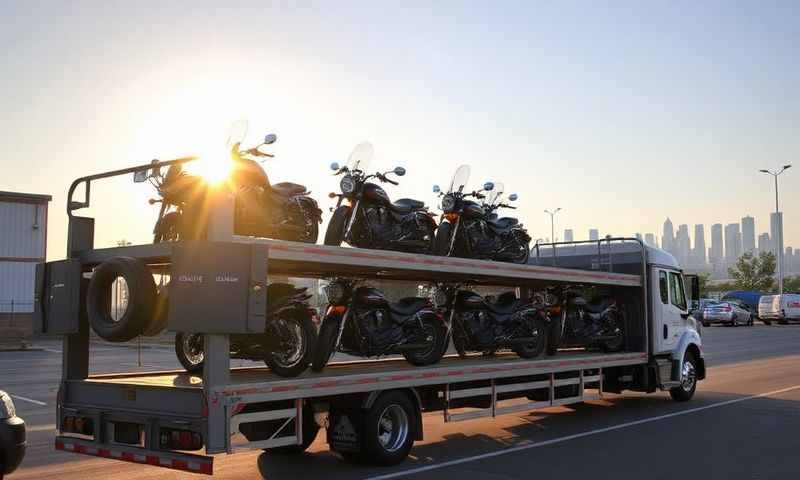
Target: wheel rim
column 193, row 348
column 393, row 427
column 291, row 346
column 688, row 376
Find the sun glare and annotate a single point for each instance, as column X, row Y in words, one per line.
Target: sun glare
column 215, row 169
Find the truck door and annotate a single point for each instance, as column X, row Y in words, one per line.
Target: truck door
column 668, row 306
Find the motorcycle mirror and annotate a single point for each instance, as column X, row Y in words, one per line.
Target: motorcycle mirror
column 513, row 197
column 270, row 139
column 335, row 166
column 436, row 189
column 399, row 171
column 139, row 176
column 488, row 186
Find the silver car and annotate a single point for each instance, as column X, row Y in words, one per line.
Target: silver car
column 729, row 312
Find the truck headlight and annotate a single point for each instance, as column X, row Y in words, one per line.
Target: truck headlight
column 347, row 184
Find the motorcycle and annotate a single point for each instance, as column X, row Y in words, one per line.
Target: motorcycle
column 581, row 323
column 468, row 229
column 361, row 321
column 283, row 210
column 370, row 219
column 286, row 346
column 487, row 324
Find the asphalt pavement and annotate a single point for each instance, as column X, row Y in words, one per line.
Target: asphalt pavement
column 742, row 424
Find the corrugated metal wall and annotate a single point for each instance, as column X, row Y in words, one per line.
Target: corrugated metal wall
column 19, row 239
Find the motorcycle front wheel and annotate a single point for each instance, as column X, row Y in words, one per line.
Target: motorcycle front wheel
column 535, row 347
column 293, row 340
column 441, row 244
column 434, row 333
column 334, row 235
column 326, row 343
column 616, row 326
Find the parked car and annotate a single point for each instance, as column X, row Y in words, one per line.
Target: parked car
column 732, row 313
column 748, row 298
column 699, row 306
column 782, row 308
column 12, row 436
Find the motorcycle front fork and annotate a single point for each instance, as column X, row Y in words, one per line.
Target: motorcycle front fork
column 352, row 219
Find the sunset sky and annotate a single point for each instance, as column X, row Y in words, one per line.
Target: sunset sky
column 621, row 114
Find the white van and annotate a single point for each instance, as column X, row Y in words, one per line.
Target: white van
column 779, row 307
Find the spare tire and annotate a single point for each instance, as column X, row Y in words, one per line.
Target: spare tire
column 141, row 299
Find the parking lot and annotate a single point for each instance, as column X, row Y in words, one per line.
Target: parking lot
column 746, row 410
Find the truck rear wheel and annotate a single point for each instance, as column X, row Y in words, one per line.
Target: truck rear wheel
column 388, row 430
column 685, row 391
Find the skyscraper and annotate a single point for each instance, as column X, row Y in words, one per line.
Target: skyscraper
column 682, row 246
column 699, row 246
column 764, row 244
column 733, row 243
column 650, row 239
column 748, row 234
column 668, row 237
column 594, row 234
column 715, row 255
column 568, row 235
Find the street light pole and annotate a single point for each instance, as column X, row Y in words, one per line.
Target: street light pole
column 552, row 223
column 778, row 241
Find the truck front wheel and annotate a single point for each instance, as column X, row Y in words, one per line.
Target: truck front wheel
column 685, row 391
column 388, row 430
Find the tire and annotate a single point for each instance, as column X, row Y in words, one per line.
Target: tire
column 310, row 431
column 436, row 334
column 750, row 321
column 554, row 335
column 334, row 235
column 523, row 258
column 326, row 343
column 141, row 299
column 617, row 343
column 535, row 348
column 308, row 213
column 685, row 391
column 441, row 243
column 190, row 352
column 460, row 342
column 734, row 322
column 388, row 433
column 295, row 327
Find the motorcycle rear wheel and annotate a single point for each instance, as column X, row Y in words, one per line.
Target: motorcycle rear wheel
column 433, row 329
column 296, row 337
column 537, row 346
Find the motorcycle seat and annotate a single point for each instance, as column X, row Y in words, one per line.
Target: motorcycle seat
column 407, row 205
column 502, row 223
column 287, row 189
column 408, row 306
column 505, row 303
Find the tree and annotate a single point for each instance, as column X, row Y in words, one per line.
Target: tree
column 754, row 273
column 703, row 280
column 791, row 284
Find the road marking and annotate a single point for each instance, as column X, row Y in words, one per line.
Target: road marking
column 553, row 441
column 26, row 399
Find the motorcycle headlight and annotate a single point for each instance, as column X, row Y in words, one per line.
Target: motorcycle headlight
column 448, row 203
column 440, row 298
column 335, row 292
column 347, row 184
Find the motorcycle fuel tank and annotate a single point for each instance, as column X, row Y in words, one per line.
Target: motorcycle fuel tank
column 472, row 210
column 375, row 194
column 369, row 296
column 469, row 300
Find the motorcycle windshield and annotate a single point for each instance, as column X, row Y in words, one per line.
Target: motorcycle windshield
column 360, row 157
column 237, row 132
column 460, row 179
column 496, row 195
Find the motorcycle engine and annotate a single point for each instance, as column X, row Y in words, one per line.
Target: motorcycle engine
column 479, row 326
column 378, row 328
column 380, row 224
column 480, row 239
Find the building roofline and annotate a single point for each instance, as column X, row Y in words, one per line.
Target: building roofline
column 20, row 196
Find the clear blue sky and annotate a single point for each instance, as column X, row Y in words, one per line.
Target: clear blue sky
column 622, row 114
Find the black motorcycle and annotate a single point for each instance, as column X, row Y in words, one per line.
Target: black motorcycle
column 470, row 230
column 576, row 322
column 283, row 210
column 286, row 346
column 361, row 321
column 488, row 324
column 370, row 219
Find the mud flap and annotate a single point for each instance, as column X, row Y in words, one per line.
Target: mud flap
column 346, row 427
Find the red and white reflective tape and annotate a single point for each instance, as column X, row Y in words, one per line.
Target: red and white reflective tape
column 438, row 373
column 184, row 462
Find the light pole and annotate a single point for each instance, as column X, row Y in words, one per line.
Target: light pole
column 779, row 219
column 552, row 223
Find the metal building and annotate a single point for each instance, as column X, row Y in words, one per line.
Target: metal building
column 23, row 244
